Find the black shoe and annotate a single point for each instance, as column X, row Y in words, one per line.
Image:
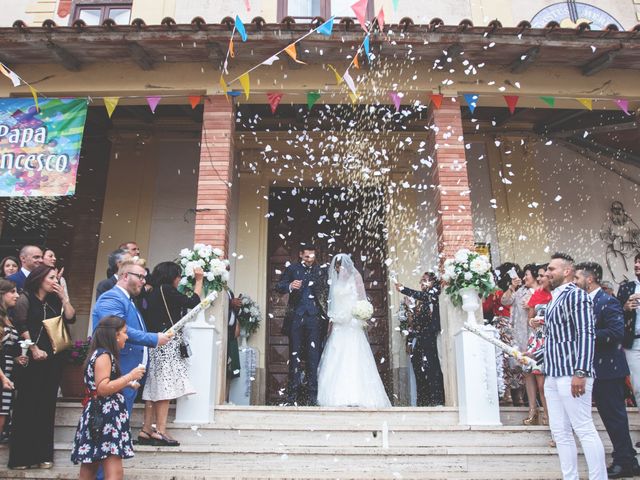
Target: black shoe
column 637, row 444
column 618, row 471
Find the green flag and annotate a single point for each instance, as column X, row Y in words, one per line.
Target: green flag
column 312, row 98
column 551, row 101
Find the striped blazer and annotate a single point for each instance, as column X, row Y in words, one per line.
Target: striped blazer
column 570, row 334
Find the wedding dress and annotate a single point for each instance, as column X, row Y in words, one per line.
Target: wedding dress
column 347, row 375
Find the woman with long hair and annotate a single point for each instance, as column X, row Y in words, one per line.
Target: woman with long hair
column 31, row 443
column 103, row 436
column 9, row 265
column 49, row 259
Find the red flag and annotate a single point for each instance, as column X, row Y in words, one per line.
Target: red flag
column 437, row 98
column 512, row 101
column 274, row 100
column 380, row 19
column 360, row 9
column 194, row 101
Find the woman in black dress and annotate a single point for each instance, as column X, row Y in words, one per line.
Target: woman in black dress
column 31, row 443
column 425, row 330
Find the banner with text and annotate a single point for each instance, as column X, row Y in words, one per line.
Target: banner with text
column 40, row 150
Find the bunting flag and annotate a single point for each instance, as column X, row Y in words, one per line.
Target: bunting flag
column 274, row 100
column 247, row 5
column 512, row 101
column 111, row 103
column 326, row 28
column 240, row 28
column 396, row 99
column 194, row 101
column 234, row 93
column 34, row 93
column 270, row 60
column 380, row 19
column 153, row 103
column 366, row 46
column 353, row 96
column 10, row 74
column 246, row 85
column 224, row 87
column 356, row 62
column 472, row 100
column 623, row 105
column 395, row 5
column 312, row 98
column 587, row 102
column 551, row 101
column 360, row 9
column 291, row 50
column 339, row 79
column 232, row 54
column 349, row 81
column 436, row 99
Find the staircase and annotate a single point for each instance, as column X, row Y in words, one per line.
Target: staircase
column 320, row 443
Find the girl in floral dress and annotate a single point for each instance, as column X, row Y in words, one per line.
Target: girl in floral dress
column 103, row 436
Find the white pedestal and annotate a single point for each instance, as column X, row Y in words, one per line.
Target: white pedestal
column 413, row 388
column 477, row 383
column 204, row 338
column 240, row 388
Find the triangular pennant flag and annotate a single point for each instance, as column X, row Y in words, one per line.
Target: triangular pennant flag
column 270, row 60
column 623, row 105
column 274, row 100
column 232, row 53
column 512, row 101
column 353, row 96
column 380, row 19
column 356, row 63
column 224, row 87
column 35, row 97
column 234, row 93
column 437, row 98
column 366, row 45
column 246, row 85
column 339, row 79
column 395, row 4
column 360, row 9
column 240, row 28
column 472, row 100
column 349, row 81
column 153, row 103
column 194, row 100
column 10, row 74
column 247, row 5
column 312, row 98
column 111, row 103
column 326, row 28
column 551, row 101
column 291, row 50
column 396, row 99
column 587, row 102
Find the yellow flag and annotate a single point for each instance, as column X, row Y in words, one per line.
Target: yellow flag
column 110, row 103
column 223, row 87
column 232, row 54
column 339, row 79
column 353, row 97
column 291, row 50
column 35, row 97
column 587, row 102
column 246, row 85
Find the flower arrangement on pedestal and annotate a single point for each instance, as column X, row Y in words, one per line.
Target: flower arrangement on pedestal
column 212, row 263
column 468, row 271
column 249, row 316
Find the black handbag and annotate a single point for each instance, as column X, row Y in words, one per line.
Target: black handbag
column 185, row 348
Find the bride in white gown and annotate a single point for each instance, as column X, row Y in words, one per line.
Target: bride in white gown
column 347, row 375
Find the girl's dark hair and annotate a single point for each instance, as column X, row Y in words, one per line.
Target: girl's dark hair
column 104, row 336
column 165, row 273
column 4, row 260
column 5, row 287
column 36, row 277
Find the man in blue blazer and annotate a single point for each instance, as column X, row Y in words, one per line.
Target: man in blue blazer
column 611, row 369
column 119, row 302
column 30, row 258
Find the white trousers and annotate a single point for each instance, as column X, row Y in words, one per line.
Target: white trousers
column 567, row 413
column 633, row 359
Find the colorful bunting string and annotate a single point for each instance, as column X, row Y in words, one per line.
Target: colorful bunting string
column 240, row 28
column 246, row 84
column 396, row 99
column 291, row 51
column 312, row 98
column 587, row 102
column 380, row 19
column 360, row 9
column 551, row 101
column 274, row 100
column 512, row 101
column 110, row 103
column 437, row 98
column 153, row 103
column 623, row 104
column 194, row 100
column 326, row 28
column 472, row 100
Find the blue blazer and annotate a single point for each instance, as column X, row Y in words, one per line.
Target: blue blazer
column 18, row 278
column 115, row 302
column 609, row 360
column 625, row 291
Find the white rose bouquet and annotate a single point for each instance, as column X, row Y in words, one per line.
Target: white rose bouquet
column 468, row 269
column 210, row 260
column 249, row 316
column 362, row 310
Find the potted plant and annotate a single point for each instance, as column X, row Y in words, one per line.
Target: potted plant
column 72, row 382
column 469, row 277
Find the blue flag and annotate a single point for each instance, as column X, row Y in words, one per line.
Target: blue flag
column 240, row 28
column 326, row 28
column 472, row 100
column 366, row 46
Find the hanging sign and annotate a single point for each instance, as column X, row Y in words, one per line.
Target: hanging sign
column 40, row 151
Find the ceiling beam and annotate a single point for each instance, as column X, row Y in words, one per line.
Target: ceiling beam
column 599, row 63
column 615, row 127
column 64, row 57
column 524, row 61
column 451, row 52
column 546, row 127
column 604, row 150
column 140, row 56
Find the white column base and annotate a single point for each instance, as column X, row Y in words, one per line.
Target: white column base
column 240, row 387
column 477, row 382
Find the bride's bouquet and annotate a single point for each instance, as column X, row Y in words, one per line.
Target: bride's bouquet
column 362, row 310
column 210, row 260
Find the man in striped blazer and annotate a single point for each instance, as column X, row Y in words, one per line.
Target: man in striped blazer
column 568, row 365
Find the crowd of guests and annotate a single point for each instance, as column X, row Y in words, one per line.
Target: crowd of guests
column 129, row 355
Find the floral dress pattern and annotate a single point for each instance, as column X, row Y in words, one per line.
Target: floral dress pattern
column 116, row 434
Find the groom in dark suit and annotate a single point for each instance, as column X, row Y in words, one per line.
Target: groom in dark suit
column 304, row 324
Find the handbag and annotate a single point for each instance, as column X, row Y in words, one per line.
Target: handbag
column 185, row 348
column 57, row 331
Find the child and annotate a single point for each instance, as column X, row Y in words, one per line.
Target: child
column 103, row 436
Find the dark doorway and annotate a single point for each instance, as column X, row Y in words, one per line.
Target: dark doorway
column 335, row 220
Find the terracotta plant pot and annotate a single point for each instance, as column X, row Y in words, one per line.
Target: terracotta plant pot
column 72, row 382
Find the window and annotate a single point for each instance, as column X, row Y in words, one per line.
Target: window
column 307, row 9
column 94, row 12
